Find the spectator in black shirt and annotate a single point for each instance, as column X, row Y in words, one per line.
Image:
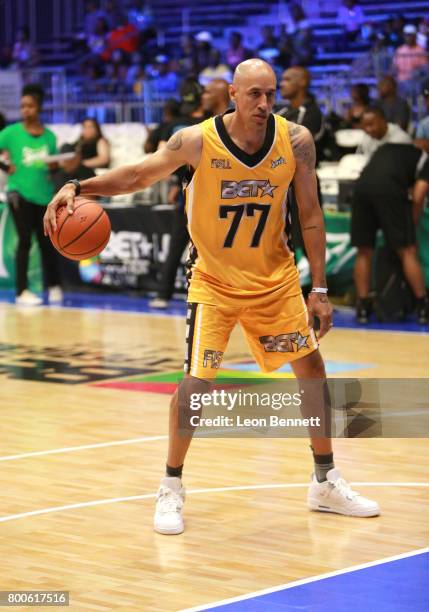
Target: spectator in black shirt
column 191, row 114
column 215, row 98
column 269, row 41
column 71, row 168
column 304, row 110
column 236, row 52
column 381, row 201
column 93, row 146
column 396, row 109
column 360, row 100
column 170, row 116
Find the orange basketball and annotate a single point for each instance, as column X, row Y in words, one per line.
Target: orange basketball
column 83, row 234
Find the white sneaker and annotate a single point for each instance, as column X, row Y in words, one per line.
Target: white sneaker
column 55, row 295
column 158, row 303
column 336, row 495
column 169, row 503
column 28, row 298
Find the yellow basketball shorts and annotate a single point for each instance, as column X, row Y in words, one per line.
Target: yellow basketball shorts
column 276, row 330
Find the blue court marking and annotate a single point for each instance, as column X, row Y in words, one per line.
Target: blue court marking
column 332, row 367
column 132, row 302
column 393, row 586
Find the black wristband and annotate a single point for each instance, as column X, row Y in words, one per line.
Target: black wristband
column 76, row 184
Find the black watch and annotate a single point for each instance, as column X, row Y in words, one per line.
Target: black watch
column 76, row 184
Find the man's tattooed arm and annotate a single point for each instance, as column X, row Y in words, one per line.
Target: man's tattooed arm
column 310, row 212
column 175, row 142
column 305, row 155
column 303, row 147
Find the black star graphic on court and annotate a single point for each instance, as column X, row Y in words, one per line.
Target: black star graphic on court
column 268, row 189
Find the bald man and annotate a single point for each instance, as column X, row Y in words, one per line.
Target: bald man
column 244, row 162
column 215, row 97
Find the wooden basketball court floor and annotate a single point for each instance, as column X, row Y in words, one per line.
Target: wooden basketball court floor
column 84, row 411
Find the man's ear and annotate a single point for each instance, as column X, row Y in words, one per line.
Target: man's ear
column 232, row 93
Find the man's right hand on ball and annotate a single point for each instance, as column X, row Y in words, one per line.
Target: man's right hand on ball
column 65, row 197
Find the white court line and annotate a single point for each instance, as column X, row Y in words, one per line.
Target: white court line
column 113, row 500
column 290, row 585
column 71, row 449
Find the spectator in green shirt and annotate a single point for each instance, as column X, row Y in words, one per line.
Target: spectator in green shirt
column 30, row 189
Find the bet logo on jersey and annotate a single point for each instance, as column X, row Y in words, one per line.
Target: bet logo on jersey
column 284, row 343
column 247, row 189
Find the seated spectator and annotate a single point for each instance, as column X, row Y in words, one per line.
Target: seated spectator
column 187, row 56
column 170, row 116
column 92, row 81
column 380, row 201
column 295, row 17
column 5, row 57
column 378, row 132
column 236, row 52
column 381, row 54
column 24, row 54
column 97, row 41
column 350, row 17
column 409, row 56
column 422, row 131
column 366, row 34
column 165, row 80
column 72, row 168
column 302, row 45
column 92, row 146
column 395, row 109
column 269, row 41
column 136, row 74
column 117, row 73
column 215, row 70
column 204, row 47
column 285, row 47
column 111, row 13
column 140, row 15
column 92, row 14
column 125, row 37
column 423, row 32
column 359, row 94
column 397, row 30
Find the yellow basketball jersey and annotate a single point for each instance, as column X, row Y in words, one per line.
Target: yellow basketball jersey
column 236, row 209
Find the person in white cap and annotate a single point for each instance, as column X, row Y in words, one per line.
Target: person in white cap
column 204, row 47
column 409, row 56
